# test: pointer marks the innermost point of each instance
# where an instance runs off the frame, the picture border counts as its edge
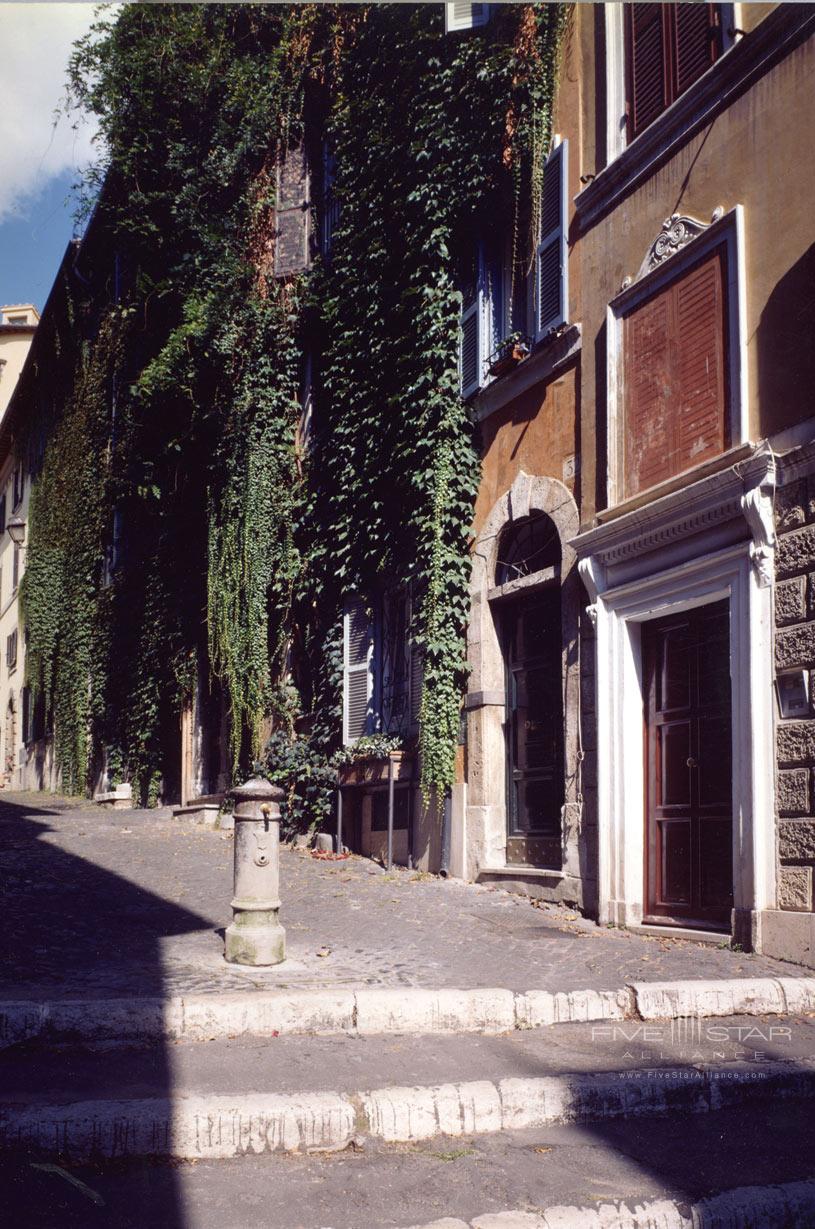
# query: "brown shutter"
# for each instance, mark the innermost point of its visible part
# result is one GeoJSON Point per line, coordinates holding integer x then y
{"type": "Point", "coordinates": [648, 394]}
{"type": "Point", "coordinates": [696, 41]}
{"type": "Point", "coordinates": [291, 254]}
{"type": "Point", "coordinates": [675, 358]}
{"type": "Point", "coordinates": [700, 363]}
{"type": "Point", "coordinates": [647, 65]}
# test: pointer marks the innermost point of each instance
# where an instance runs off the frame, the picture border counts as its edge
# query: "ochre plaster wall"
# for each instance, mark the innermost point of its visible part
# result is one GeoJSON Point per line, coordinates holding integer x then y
{"type": "Point", "coordinates": [755, 153]}
{"type": "Point", "coordinates": [535, 433]}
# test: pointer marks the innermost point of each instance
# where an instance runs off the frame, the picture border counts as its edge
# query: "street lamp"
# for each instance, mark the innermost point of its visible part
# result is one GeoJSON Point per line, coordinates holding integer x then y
{"type": "Point", "coordinates": [16, 530]}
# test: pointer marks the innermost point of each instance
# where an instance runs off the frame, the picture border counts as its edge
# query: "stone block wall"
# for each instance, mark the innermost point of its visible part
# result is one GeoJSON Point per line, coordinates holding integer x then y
{"type": "Point", "coordinates": [795, 647]}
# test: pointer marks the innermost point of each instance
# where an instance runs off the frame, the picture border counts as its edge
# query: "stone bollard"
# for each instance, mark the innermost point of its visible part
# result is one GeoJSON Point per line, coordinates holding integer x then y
{"type": "Point", "coordinates": [255, 935]}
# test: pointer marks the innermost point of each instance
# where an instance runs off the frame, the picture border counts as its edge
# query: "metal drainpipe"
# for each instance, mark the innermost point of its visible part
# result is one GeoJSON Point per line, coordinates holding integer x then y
{"type": "Point", "coordinates": [446, 826]}
{"type": "Point", "coordinates": [339, 819]}
{"type": "Point", "coordinates": [390, 812]}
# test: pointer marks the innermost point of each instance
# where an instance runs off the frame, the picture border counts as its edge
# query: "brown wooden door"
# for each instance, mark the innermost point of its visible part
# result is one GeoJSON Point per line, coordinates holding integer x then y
{"type": "Point", "coordinates": [688, 804]}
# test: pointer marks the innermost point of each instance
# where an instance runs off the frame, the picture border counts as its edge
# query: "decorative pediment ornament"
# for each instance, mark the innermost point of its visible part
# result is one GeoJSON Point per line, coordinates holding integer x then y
{"type": "Point", "coordinates": [677, 231]}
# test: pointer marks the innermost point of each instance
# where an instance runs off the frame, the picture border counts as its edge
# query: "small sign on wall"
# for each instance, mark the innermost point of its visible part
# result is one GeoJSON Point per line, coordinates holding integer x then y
{"type": "Point", "coordinates": [792, 690]}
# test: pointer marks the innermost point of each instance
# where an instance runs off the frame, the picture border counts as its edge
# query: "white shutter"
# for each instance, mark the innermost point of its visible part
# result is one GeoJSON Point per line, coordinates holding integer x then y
{"type": "Point", "coordinates": [357, 674]}
{"type": "Point", "coordinates": [476, 331]}
{"type": "Point", "coordinates": [551, 271]}
{"type": "Point", "coordinates": [465, 16]}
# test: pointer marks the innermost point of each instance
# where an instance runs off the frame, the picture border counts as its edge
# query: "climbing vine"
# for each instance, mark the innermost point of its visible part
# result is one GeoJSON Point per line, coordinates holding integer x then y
{"type": "Point", "coordinates": [187, 531]}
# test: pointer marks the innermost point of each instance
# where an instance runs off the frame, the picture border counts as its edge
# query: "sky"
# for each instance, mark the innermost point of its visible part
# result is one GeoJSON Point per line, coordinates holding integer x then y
{"type": "Point", "coordinates": [38, 160]}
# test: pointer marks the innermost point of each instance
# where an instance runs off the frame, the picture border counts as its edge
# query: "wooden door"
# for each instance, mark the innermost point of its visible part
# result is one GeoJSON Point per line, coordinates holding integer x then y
{"type": "Point", "coordinates": [688, 804]}
{"type": "Point", "coordinates": [532, 641]}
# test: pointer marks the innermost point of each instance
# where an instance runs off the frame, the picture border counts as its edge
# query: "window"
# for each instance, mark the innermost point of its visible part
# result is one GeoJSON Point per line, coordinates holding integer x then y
{"type": "Point", "coordinates": [3, 514]}
{"type": "Point", "coordinates": [11, 651]}
{"type": "Point", "coordinates": [15, 568]}
{"type": "Point", "coordinates": [382, 667]}
{"type": "Point", "coordinates": [465, 16]}
{"type": "Point", "coordinates": [675, 362]}
{"type": "Point", "coordinates": [483, 313]}
{"type": "Point", "coordinates": [668, 46]}
{"type": "Point", "coordinates": [291, 253]}
{"type": "Point", "coordinates": [18, 488]}
{"type": "Point", "coordinates": [529, 545]}
{"type": "Point", "coordinates": [551, 265]}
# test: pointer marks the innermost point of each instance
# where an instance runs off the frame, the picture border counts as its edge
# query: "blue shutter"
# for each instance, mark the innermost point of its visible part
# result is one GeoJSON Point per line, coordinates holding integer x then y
{"type": "Point", "coordinates": [551, 268]}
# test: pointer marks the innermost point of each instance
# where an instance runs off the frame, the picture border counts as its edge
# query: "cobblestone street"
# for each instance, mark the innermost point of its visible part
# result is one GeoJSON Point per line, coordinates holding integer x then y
{"type": "Point", "coordinates": [129, 903]}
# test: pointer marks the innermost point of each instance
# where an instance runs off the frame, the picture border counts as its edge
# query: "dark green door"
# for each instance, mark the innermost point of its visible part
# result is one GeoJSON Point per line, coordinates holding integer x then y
{"type": "Point", "coordinates": [534, 728]}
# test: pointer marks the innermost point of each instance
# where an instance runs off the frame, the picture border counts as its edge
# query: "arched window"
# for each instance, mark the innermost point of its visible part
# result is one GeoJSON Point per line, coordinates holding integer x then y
{"type": "Point", "coordinates": [528, 545]}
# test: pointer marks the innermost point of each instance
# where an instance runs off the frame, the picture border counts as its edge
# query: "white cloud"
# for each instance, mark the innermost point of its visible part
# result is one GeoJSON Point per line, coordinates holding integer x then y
{"type": "Point", "coordinates": [35, 45]}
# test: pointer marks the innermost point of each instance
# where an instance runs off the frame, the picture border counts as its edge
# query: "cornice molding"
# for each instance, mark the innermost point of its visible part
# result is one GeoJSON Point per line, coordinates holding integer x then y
{"type": "Point", "coordinates": [743, 490]}
{"type": "Point", "coordinates": [753, 56]}
{"type": "Point", "coordinates": [797, 463]}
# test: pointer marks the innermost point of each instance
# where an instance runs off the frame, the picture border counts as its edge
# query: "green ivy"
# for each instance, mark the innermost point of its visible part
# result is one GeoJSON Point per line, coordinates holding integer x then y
{"type": "Point", "coordinates": [240, 538]}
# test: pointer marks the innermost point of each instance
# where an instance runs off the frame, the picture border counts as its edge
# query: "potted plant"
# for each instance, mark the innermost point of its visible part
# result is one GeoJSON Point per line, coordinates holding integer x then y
{"type": "Point", "coordinates": [508, 354]}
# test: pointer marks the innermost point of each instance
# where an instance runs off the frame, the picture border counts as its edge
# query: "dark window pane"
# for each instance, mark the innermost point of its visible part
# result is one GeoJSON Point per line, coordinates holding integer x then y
{"type": "Point", "coordinates": [674, 675]}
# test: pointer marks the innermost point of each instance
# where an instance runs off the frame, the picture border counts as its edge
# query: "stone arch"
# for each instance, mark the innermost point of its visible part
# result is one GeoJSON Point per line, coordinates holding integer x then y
{"type": "Point", "coordinates": [486, 805]}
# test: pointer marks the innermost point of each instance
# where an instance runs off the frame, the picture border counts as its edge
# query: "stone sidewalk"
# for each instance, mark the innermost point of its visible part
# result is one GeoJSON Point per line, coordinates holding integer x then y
{"type": "Point", "coordinates": [111, 904]}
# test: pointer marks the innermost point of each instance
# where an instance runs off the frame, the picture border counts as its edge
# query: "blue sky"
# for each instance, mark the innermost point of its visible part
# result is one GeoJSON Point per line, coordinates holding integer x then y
{"type": "Point", "coordinates": [39, 158]}
{"type": "Point", "coordinates": [32, 243]}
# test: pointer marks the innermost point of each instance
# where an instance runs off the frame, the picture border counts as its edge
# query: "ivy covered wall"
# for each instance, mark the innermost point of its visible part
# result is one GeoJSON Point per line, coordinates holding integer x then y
{"type": "Point", "coordinates": [182, 515]}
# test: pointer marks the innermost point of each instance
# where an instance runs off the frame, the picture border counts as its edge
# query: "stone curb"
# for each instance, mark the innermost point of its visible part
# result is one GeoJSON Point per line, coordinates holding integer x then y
{"type": "Point", "coordinates": [207, 1017]}
{"type": "Point", "coordinates": [791, 1206]}
{"type": "Point", "coordinates": [204, 1127]}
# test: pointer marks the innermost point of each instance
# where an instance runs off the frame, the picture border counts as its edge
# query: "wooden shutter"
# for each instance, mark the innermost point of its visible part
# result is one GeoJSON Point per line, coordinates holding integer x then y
{"type": "Point", "coordinates": [696, 32]}
{"type": "Point", "coordinates": [675, 358]}
{"type": "Point", "coordinates": [291, 253]}
{"type": "Point", "coordinates": [331, 209]}
{"type": "Point", "coordinates": [357, 671]}
{"type": "Point", "coordinates": [416, 681]}
{"type": "Point", "coordinates": [699, 378]}
{"type": "Point", "coordinates": [459, 16]}
{"type": "Point", "coordinates": [668, 47]}
{"type": "Point", "coordinates": [551, 266]}
{"type": "Point", "coordinates": [648, 65]}
{"type": "Point", "coordinates": [648, 394]}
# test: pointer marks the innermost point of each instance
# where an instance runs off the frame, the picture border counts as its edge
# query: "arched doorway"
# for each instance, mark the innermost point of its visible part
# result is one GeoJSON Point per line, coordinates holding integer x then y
{"type": "Point", "coordinates": [527, 606]}
{"type": "Point", "coordinates": [524, 657]}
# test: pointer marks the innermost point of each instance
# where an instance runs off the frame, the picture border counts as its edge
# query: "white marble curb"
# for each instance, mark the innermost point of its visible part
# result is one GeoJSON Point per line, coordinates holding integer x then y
{"type": "Point", "coordinates": [199, 1127]}
{"type": "Point", "coordinates": [791, 1206]}
{"type": "Point", "coordinates": [263, 1013]}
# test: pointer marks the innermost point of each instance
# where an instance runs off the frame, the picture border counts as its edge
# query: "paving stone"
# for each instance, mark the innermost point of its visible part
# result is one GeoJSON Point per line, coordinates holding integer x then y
{"type": "Point", "coordinates": [790, 601]}
{"type": "Point", "coordinates": [794, 791]}
{"type": "Point", "coordinates": [124, 904]}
